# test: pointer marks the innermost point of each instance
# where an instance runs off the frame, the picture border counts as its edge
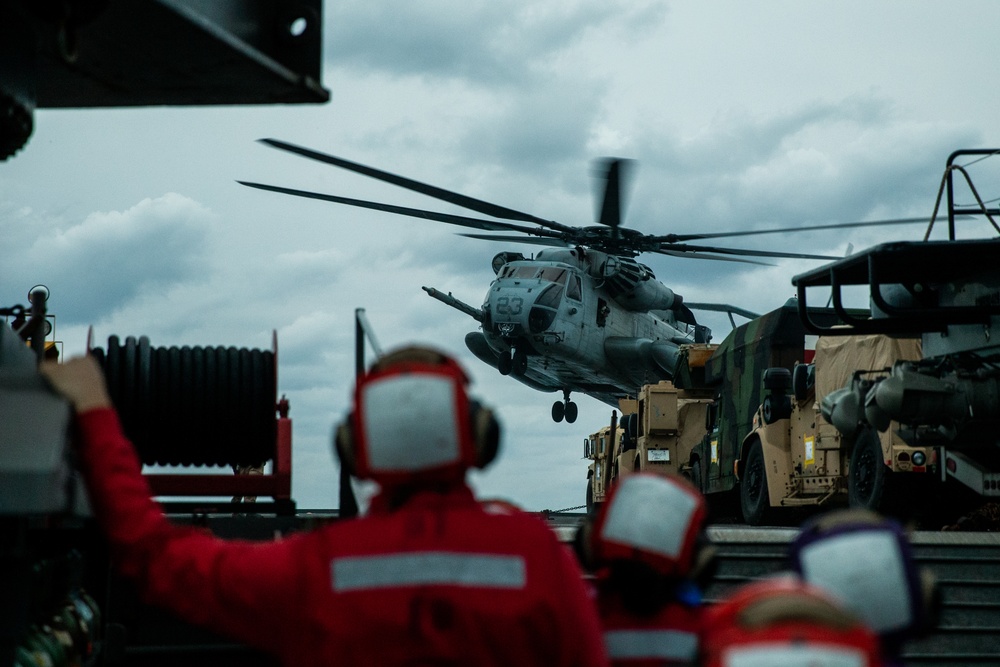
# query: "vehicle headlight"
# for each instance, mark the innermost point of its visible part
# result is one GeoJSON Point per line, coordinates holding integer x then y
{"type": "Point", "coordinates": [919, 458]}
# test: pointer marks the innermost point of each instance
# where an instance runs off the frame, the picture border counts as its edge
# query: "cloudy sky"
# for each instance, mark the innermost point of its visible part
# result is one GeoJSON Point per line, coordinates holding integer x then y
{"type": "Point", "coordinates": [741, 115]}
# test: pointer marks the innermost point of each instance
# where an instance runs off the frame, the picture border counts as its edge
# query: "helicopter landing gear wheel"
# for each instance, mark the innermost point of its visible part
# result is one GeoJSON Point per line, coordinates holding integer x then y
{"type": "Point", "coordinates": [519, 362]}
{"type": "Point", "coordinates": [564, 409]}
{"type": "Point", "coordinates": [505, 364]}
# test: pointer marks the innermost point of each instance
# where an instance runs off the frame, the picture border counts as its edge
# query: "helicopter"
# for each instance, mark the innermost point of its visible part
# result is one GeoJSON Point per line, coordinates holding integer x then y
{"type": "Point", "coordinates": [581, 315]}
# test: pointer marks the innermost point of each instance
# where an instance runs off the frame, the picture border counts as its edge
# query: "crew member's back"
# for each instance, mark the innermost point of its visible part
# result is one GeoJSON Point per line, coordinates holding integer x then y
{"type": "Point", "coordinates": [427, 577]}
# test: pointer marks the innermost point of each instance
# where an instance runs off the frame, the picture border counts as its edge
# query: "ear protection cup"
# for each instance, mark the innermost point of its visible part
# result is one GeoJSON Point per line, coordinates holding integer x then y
{"type": "Point", "coordinates": [485, 433]}
{"type": "Point", "coordinates": [583, 546]}
{"type": "Point", "coordinates": [705, 563]}
{"type": "Point", "coordinates": [343, 446]}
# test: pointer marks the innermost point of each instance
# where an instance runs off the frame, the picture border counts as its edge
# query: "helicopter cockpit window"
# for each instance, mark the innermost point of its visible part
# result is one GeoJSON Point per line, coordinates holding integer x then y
{"type": "Point", "coordinates": [553, 275]}
{"type": "Point", "coordinates": [543, 313]}
{"type": "Point", "coordinates": [550, 297]}
{"type": "Point", "coordinates": [523, 272]}
{"type": "Point", "coordinates": [573, 289]}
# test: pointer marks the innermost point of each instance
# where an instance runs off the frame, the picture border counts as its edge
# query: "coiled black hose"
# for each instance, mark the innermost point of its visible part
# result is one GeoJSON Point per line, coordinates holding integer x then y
{"type": "Point", "coordinates": [193, 405]}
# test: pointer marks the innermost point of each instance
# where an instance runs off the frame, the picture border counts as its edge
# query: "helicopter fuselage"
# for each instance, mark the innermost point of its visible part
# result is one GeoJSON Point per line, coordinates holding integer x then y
{"type": "Point", "coordinates": [559, 322]}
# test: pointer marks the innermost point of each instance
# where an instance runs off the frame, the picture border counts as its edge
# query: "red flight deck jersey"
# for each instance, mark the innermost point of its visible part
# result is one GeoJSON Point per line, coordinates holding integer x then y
{"type": "Point", "coordinates": [437, 581]}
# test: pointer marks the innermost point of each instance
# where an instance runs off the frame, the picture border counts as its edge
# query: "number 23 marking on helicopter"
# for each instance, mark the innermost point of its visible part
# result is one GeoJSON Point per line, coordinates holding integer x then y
{"type": "Point", "coordinates": [509, 306]}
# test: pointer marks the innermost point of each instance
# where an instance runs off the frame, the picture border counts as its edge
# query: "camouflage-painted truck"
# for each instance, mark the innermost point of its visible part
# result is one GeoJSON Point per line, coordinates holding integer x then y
{"type": "Point", "coordinates": [794, 457]}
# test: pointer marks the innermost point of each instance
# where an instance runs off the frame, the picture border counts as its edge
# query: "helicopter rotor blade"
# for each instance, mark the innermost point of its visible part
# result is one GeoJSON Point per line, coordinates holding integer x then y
{"type": "Point", "coordinates": [744, 252]}
{"type": "Point", "coordinates": [701, 255]}
{"type": "Point", "coordinates": [519, 239]}
{"type": "Point", "coordinates": [460, 220]}
{"type": "Point", "coordinates": [471, 203]}
{"type": "Point", "coordinates": [675, 238]}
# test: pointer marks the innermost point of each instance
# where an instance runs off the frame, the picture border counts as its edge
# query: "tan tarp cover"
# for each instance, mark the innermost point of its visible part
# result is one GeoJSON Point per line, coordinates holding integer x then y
{"type": "Point", "coordinates": [690, 424]}
{"type": "Point", "coordinates": [837, 357]}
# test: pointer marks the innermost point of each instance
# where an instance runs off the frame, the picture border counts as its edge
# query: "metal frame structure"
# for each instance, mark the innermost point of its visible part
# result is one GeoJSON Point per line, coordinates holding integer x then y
{"type": "Point", "coordinates": [910, 264]}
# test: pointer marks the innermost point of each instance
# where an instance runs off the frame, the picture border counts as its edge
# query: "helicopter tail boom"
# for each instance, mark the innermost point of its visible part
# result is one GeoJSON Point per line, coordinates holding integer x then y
{"type": "Point", "coordinates": [474, 313]}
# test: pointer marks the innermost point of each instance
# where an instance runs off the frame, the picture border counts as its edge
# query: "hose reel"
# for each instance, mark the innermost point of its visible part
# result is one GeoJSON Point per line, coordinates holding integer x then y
{"type": "Point", "coordinates": [192, 405]}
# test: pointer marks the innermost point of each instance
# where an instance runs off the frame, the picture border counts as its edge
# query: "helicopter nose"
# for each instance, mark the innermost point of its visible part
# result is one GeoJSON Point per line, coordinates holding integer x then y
{"type": "Point", "coordinates": [525, 310]}
{"type": "Point", "coordinates": [510, 306]}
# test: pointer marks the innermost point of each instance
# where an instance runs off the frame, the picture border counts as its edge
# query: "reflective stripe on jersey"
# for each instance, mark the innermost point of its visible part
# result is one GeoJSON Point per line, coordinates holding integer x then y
{"type": "Point", "coordinates": [794, 656]}
{"type": "Point", "coordinates": [422, 568]}
{"type": "Point", "coordinates": [645, 644]}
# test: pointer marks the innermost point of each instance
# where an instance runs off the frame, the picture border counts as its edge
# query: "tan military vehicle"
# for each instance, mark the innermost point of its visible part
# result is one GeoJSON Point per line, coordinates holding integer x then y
{"type": "Point", "coordinates": [657, 431]}
{"type": "Point", "coordinates": [600, 448]}
{"type": "Point", "coordinates": [793, 457]}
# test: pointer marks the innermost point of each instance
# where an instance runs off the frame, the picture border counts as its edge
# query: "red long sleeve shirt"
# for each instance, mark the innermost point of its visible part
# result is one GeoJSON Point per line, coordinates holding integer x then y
{"type": "Point", "coordinates": [437, 581]}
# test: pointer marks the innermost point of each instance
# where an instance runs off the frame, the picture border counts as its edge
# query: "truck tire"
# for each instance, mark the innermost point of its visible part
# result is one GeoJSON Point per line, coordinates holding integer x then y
{"type": "Point", "coordinates": [590, 496]}
{"type": "Point", "coordinates": [754, 499]}
{"type": "Point", "coordinates": [696, 472]}
{"type": "Point", "coordinates": [803, 379]}
{"type": "Point", "coordinates": [630, 424]}
{"type": "Point", "coordinates": [868, 474]}
{"type": "Point", "coordinates": [777, 378]}
{"type": "Point", "coordinates": [776, 407]}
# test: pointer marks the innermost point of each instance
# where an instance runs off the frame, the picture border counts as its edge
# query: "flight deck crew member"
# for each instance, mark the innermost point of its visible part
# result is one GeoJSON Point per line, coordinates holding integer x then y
{"type": "Point", "coordinates": [646, 546]}
{"type": "Point", "coordinates": [427, 577]}
{"type": "Point", "coordinates": [866, 562]}
{"type": "Point", "coordinates": [784, 621]}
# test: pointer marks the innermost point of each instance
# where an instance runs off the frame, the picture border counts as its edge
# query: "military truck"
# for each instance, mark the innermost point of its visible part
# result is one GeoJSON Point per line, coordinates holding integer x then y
{"type": "Point", "coordinates": [794, 457]}
{"type": "Point", "coordinates": [600, 448]}
{"type": "Point", "coordinates": [948, 293]}
{"type": "Point", "coordinates": [657, 434]}
{"type": "Point", "coordinates": [949, 398]}
{"type": "Point", "coordinates": [696, 424]}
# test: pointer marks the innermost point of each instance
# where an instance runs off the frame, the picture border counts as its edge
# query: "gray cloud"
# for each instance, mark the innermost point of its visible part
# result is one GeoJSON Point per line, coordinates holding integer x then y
{"type": "Point", "coordinates": [110, 258]}
{"type": "Point", "coordinates": [485, 44]}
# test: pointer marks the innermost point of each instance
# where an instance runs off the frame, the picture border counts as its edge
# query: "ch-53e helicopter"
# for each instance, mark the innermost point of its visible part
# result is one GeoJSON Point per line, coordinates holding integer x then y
{"type": "Point", "coordinates": [581, 315]}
